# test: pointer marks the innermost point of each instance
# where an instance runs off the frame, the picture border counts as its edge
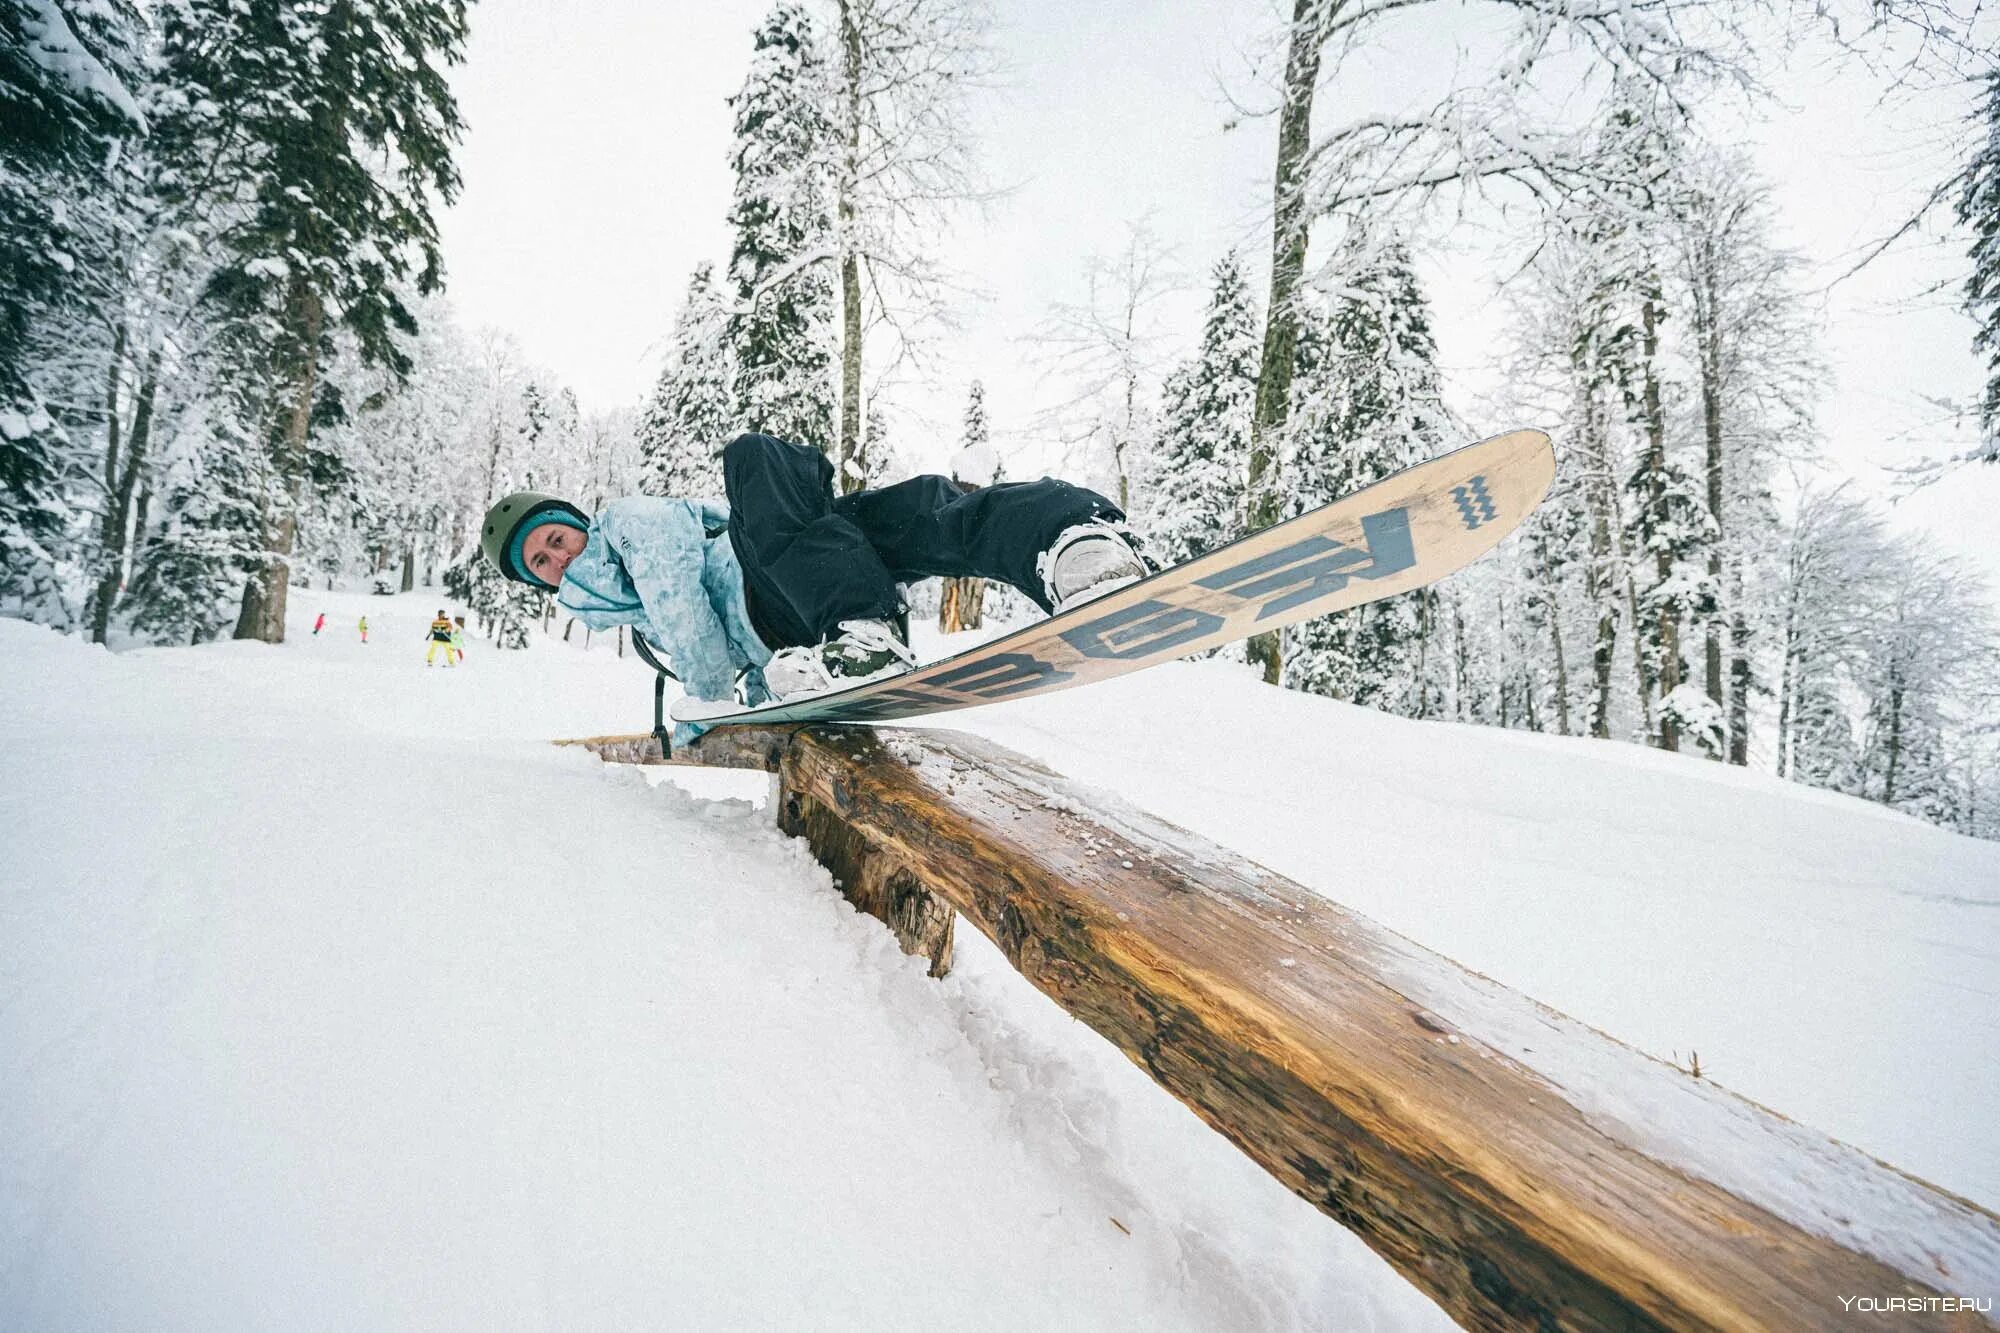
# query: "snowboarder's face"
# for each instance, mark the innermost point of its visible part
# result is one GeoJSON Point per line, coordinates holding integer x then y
{"type": "Point", "coordinates": [548, 549]}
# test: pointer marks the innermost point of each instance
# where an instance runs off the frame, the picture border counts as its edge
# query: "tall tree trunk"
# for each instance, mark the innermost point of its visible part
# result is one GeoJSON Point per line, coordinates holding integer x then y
{"type": "Point", "coordinates": [113, 519]}
{"type": "Point", "coordinates": [492, 462]}
{"type": "Point", "coordinates": [1735, 707]}
{"type": "Point", "coordinates": [118, 506]}
{"type": "Point", "coordinates": [1711, 421]}
{"type": "Point", "coordinates": [409, 568]}
{"type": "Point", "coordinates": [1663, 564]}
{"type": "Point", "coordinates": [962, 601]}
{"type": "Point", "coordinates": [1706, 306]}
{"type": "Point", "coordinates": [1600, 574]}
{"type": "Point", "coordinates": [961, 604]}
{"type": "Point", "coordinates": [1122, 446]}
{"type": "Point", "coordinates": [1562, 670]}
{"type": "Point", "coordinates": [1461, 664]}
{"type": "Point", "coordinates": [263, 614]}
{"type": "Point", "coordinates": [1289, 229]}
{"type": "Point", "coordinates": [1785, 678]}
{"type": "Point", "coordinates": [1895, 736]}
{"type": "Point", "coordinates": [1739, 680]}
{"type": "Point", "coordinates": [1642, 671]}
{"type": "Point", "coordinates": [141, 509]}
{"type": "Point", "coordinates": [849, 466]}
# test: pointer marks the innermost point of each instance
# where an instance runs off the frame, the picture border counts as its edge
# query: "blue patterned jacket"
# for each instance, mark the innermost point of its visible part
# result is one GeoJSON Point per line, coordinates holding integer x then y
{"type": "Point", "coordinates": [650, 563]}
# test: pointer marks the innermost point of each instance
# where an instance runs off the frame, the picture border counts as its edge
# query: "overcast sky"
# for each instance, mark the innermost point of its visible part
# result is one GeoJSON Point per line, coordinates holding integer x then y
{"type": "Point", "coordinates": [595, 179]}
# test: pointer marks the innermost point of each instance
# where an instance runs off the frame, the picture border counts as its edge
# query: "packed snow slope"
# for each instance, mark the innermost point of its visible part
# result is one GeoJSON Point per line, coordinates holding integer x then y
{"type": "Point", "coordinates": [330, 996]}
{"type": "Point", "coordinates": [1832, 959]}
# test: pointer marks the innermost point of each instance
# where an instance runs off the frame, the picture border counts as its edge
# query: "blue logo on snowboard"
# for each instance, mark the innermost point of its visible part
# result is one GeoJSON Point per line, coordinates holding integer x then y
{"type": "Point", "coordinates": [1475, 506]}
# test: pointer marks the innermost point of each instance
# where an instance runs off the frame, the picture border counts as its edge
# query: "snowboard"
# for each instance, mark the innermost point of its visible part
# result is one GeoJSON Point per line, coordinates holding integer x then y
{"type": "Point", "coordinates": [1401, 533]}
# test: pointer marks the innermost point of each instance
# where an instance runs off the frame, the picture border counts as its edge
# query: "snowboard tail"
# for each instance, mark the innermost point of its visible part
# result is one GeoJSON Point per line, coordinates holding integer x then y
{"type": "Point", "coordinates": [1402, 533]}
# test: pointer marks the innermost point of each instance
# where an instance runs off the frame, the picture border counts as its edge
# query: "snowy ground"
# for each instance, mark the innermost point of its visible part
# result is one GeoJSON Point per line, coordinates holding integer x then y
{"type": "Point", "coordinates": [331, 997]}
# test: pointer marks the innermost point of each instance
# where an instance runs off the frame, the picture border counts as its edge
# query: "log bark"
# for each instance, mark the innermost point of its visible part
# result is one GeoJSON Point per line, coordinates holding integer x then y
{"type": "Point", "coordinates": [1510, 1162]}
{"type": "Point", "coordinates": [757, 748]}
{"type": "Point", "coordinates": [878, 884]}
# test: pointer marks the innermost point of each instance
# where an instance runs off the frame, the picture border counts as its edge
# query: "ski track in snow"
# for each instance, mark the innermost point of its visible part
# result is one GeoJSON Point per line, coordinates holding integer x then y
{"type": "Point", "coordinates": [332, 997]}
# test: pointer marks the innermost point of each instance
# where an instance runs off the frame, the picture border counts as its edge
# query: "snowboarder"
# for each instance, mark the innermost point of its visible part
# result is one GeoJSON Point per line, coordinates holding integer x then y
{"type": "Point", "coordinates": [319, 624]}
{"type": "Point", "coordinates": [440, 636]}
{"type": "Point", "coordinates": [364, 629]}
{"type": "Point", "coordinates": [786, 591]}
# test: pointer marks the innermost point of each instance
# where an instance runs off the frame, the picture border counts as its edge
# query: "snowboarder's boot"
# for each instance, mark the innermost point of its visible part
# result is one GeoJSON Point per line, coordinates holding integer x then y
{"type": "Point", "coordinates": [863, 650]}
{"type": "Point", "coordinates": [1086, 562]}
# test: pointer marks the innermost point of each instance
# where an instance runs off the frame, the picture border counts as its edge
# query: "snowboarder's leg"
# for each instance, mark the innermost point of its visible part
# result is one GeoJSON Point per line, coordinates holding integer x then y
{"type": "Point", "coordinates": [806, 566]}
{"type": "Point", "coordinates": [931, 526]}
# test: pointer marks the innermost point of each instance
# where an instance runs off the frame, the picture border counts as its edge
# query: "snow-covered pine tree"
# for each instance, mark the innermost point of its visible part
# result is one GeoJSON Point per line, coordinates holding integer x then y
{"type": "Point", "coordinates": [781, 325]}
{"type": "Point", "coordinates": [1591, 280]}
{"type": "Point", "coordinates": [1824, 620]}
{"type": "Point", "coordinates": [565, 467]}
{"type": "Point", "coordinates": [1367, 402]}
{"type": "Point", "coordinates": [1668, 527]}
{"type": "Point", "coordinates": [1196, 499]}
{"type": "Point", "coordinates": [899, 87]}
{"type": "Point", "coordinates": [1109, 351]}
{"type": "Point", "coordinates": [500, 454]}
{"type": "Point", "coordinates": [403, 445]}
{"type": "Point", "coordinates": [187, 577]}
{"type": "Point", "coordinates": [531, 436]}
{"type": "Point", "coordinates": [690, 415]}
{"type": "Point", "coordinates": [880, 463]}
{"type": "Point", "coordinates": [1670, 531]}
{"type": "Point", "coordinates": [611, 447]}
{"type": "Point", "coordinates": [298, 111]}
{"type": "Point", "coordinates": [142, 352]}
{"type": "Point", "coordinates": [544, 425]}
{"type": "Point", "coordinates": [66, 107]}
{"type": "Point", "coordinates": [1756, 377]}
{"type": "Point", "coordinates": [975, 463]}
{"type": "Point", "coordinates": [1563, 366]}
{"type": "Point", "coordinates": [1932, 650]}
{"type": "Point", "coordinates": [1979, 209]}
{"type": "Point", "coordinates": [962, 601]}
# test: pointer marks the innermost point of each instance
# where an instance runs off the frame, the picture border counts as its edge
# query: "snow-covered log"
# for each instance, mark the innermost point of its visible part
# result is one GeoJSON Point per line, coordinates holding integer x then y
{"type": "Point", "coordinates": [731, 747]}
{"type": "Point", "coordinates": [1522, 1169]}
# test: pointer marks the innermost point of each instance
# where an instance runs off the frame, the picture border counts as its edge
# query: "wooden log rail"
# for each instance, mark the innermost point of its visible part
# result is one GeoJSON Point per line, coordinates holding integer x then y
{"type": "Point", "coordinates": [1526, 1171]}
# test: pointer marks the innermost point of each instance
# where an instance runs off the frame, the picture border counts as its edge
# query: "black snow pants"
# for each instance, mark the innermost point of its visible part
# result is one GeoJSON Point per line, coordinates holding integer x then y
{"type": "Point", "coordinates": [811, 560]}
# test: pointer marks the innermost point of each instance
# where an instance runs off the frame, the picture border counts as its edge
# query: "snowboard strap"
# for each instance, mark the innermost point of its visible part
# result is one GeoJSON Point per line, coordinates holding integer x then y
{"type": "Point", "coordinates": [661, 731]}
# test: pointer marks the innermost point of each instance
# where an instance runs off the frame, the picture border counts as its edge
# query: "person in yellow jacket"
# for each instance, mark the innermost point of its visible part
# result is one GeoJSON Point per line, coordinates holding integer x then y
{"type": "Point", "coordinates": [440, 638]}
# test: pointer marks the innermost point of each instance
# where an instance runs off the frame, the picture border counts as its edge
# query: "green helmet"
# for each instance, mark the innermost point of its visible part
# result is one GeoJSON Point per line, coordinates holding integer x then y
{"type": "Point", "coordinates": [509, 519]}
